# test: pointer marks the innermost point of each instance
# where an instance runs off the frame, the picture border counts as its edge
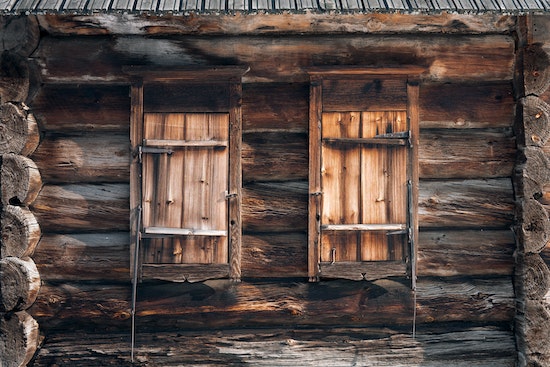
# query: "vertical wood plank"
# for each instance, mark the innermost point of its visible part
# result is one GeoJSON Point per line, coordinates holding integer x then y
{"type": "Point", "coordinates": [235, 179]}
{"type": "Point", "coordinates": [136, 132]}
{"type": "Point", "coordinates": [413, 115]}
{"type": "Point", "coordinates": [314, 201]}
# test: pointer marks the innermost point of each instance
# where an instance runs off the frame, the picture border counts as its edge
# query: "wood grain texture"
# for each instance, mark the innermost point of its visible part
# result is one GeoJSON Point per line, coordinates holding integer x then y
{"type": "Point", "coordinates": [14, 77]}
{"type": "Point", "coordinates": [18, 130]}
{"type": "Point", "coordinates": [19, 338]}
{"type": "Point", "coordinates": [20, 231]}
{"type": "Point", "coordinates": [19, 283]}
{"type": "Point", "coordinates": [21, 181]}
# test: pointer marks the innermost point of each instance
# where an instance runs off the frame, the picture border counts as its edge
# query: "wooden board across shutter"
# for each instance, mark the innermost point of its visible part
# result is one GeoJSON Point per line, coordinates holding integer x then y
{"type": "Point", "coordinates": [186, 188]}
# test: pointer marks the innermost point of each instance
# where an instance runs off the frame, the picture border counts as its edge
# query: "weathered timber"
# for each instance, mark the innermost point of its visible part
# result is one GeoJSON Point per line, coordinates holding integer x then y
{"type": "Point", "coordinates": [83, 108]}
{"type": "Point", "coordinates": [536, 70]}
{"type": "Point", "coordinates": [276, 206]}
{"type": "Point", "coordinates": [536, 120]}
{"type": "Point", "coordinates": [534, 331]}
{"type": "Point", "coordinates": [19, 283]}
{"type": "Point", "coordinates": [20, 180]}
{"type": "Point", "coordinates": [93, 157]}
{"type": "Point", "coordinates": [535, 276]}
{"type": "Point", "coordinates": [270, 107]}
{"type": "Point", "coordinates": [534, 168]}
{"type": "Point", "coordinates": [466, 105]}
{"type": "Point", "coordinates": [221, 303]}
{"type": "Point", "coordinates": [68, 208]}
{"type": "Point", "coordinates": [459, 58]}
{"type": "Point", "coordinates": [269, 23]}
{"type": "Point", "coordinates": [14, 77]}
{"type": "Point", "coordinates": [466, 203]}
{"type": "Point", "coordinates": [466, 154]}
{"type": "Point", "coordinates": [19, 34]}
{"type": "Point", "coordinates": [20, 232]}
{"type": "Point", "coordinates": [451, 253]}
{"type": "Point", "coordinates": [18, 130]}
{"type": "Point", "coordinates": [274, 156]}
{"type": "Point", "coordinates": [535, 227]}
{"type": "Point", "coordinates": [87, 256]}
{"type": "Point", "coordinates": [472, 346]}
{"type": "Point", "coordinates": [19, 338]}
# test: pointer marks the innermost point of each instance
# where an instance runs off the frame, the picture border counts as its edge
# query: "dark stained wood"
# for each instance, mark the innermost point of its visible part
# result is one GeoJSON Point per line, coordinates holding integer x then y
{"type": "Point", "coordinates": [14, 77]}
{"type": "Point", "coordinates": [222, 303]}
{"type": "Point", "coordinates": [466, 203]}
{"type": "Point", "coordinates": [275, 23]}
{"type": "Point", "coordinates": [438, 345]}
{"type": "Point", "coordinates": [451, 253]}
{"type": "Point", "coordinates": [100, 107]}
{"type": "Point", "coordinates": [185, 98]}
{"type": "Point", "coordinates": [466, 154]}
{"type": "Point", "coordinates": [93, 157]}
{"type": "Point", "coordinates": [86, 256]}
{"type": "Point", "coordinates": [18, 130]}
{"type": "Point", "coordinates": [271, 107]}
{"type": "Point", "coordinates": [79, 208]}
{"type": "Point", "coordinates": [20, 231]}
{"type": "Point", "coordinates": [466, 105]}
{"type": "Point", "coordinates": [460, 58]}
{"type": "Point", "coordinates": [19, 282]}
{"type": "Point", "coordinates": [19, 338]}
{"type": "Point", "coordinates": [274, 156]}
{"type": "Point", "coordinates": [20, 181]}
{"type": "Point", "coordinates": [19, 34]}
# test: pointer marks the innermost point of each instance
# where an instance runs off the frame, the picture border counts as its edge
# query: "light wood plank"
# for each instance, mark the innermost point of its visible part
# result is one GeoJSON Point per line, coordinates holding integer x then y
{"type": "Point", "coordinates": [170, 231]}
{"type": "Point", "coordinates": [184, 143]}
{"type": "Point", "coordinates": [364, 227]}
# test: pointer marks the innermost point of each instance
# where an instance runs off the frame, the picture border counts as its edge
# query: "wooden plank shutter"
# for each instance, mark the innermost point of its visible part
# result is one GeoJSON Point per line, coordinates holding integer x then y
{"type": "Point", "coordinates": [186, 175]}
{"type": "Point", "coordinates": [363, 175]}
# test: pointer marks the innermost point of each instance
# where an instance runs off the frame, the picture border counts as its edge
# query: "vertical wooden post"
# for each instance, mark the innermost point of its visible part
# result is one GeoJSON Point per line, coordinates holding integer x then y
{"type": "Point", "coordinates": [235, 179]}
{"type": "Point", "coordinates": [413, 115]}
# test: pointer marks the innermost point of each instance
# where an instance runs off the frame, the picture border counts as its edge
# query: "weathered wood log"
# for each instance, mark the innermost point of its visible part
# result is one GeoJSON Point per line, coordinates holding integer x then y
{"type": "Point", "coordinates": [19, 338]}
{"type": "Point", "coordinates": [88, 256]}
{"type": "Point", "coordinates": [275, 59]}
{"type": "Point", "coordinates": [274, 23]}
{"type": "Point", "coordinates": [536, 120]}
{"type": "Point", "coordinates": [466, 203]}
{"type": "Point", "coordinates": [449, 253]}
{"type": "Point", "coordinates": [535, 226]}
{"type": "Point", "coordinates": [534, 332]}
{"type": "Point", "coordinates": [534, 170]}
{"type": "Point", "coordinates": [100, 108]}
{"type": "Point", "coordinates": [19, 34]}
{"type": "Point", "coordinates": [534, 275]}
{"type": "Point", "coordinates": [221, 303]}
{"type": "Point", "coordinates": [20, 180]}
{"type": "Point", "coordinates": [275, 107]}
{"type": "Point", "coordinates": [20, 232]}
{"type": "Point", "coordinates": [18, 130]}
{"type": "Point", "coordinates": [466, 105]}
{"type": "Point", "coordinates": [446, 344]}
{"type": "Point", "coordinates": [68, 208]}
{"type": "Point", "coordinates": [466, 154]}
{"type": "Point", "coordinates": [90, 158]}
{"type": "Point", "coordinates": [536, 70]}
{"type": "Point", "coordinates": [14, 77]}
{"type": "Point", "coordinates": [19, 283]}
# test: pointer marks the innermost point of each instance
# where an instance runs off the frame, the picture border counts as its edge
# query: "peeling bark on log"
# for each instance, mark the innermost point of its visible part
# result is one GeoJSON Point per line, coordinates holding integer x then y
{"type": "Point", "coordinates": [20, 232]}
{"type": "Point", "coordinates": [536, 119]}
{"type": "Point", "coordinates": [19, 339]}
{"type": "Point", "coordinates": [20, 180]}
{"type": "Point", "coordinates": [535, 276]}
{"type": "Point", "coordinates": [19, 283]}
{"type": "Point", "coordinates": [536, 70]}
{"type": "Point", "coordinates": [18, 130]}
{"type": "Point", "coordinates": [14, 78]}
{"type": "Point", "coordinates": [535, 228]}
{"type": "Point", "coordinates": [19, 34]}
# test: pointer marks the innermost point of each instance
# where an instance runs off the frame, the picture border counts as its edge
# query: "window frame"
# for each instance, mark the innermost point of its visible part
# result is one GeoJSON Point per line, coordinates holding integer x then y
{"type": "Point", "coordinates": [231, 78]}
{"type": "Point", "coordinates": [320, 80]}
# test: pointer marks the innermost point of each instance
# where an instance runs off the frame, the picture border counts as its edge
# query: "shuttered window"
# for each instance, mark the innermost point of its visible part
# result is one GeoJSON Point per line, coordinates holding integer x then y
{"type": "Point", "coordinates": [186, 177]}
{"type": "Point", "coordinates": [363, 174]}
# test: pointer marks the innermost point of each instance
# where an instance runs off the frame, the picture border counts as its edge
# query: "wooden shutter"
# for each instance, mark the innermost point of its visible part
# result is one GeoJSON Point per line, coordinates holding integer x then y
{"type": "Point", "coordinates": [186, 176]}
{"type": "Point", "coordinates": [362, 175]}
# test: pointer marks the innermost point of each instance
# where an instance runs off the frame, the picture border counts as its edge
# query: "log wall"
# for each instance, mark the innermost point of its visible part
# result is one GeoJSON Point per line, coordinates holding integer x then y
{"type": "Point", "coordinates": [466, 196]}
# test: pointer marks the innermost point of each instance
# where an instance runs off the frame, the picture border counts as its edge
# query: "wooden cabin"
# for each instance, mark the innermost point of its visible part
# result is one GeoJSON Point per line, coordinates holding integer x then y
{"type": "Point", "coordinates": [274, 183]}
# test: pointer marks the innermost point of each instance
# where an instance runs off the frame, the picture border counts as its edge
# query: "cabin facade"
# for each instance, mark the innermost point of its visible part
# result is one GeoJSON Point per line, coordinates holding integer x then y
{"type": "Point", "coordinates": [274, 183]}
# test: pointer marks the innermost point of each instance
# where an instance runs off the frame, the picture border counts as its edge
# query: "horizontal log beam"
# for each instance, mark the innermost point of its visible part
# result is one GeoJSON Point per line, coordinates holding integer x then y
{"type": "Point", "coordinates": [222, 304]}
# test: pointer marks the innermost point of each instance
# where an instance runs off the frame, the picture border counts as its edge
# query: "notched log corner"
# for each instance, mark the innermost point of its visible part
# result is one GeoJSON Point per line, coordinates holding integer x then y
{"type": "Point", "coordinates": [14, 77]}
{"type": "Point", "coordinates": [536, 70]}
{"type": "Point", "coordinates": [535, 226]}
{"type": "Point", "coordinates": [536, 115]}
{"type": "Point", "coordinates": [20, 180]}
{"type": "Point", "coordinates": [19, 283]}
{"type": "Point", "coordinates": [19, 132]}
{"type": "Point", "coordinates": [20, 231]}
